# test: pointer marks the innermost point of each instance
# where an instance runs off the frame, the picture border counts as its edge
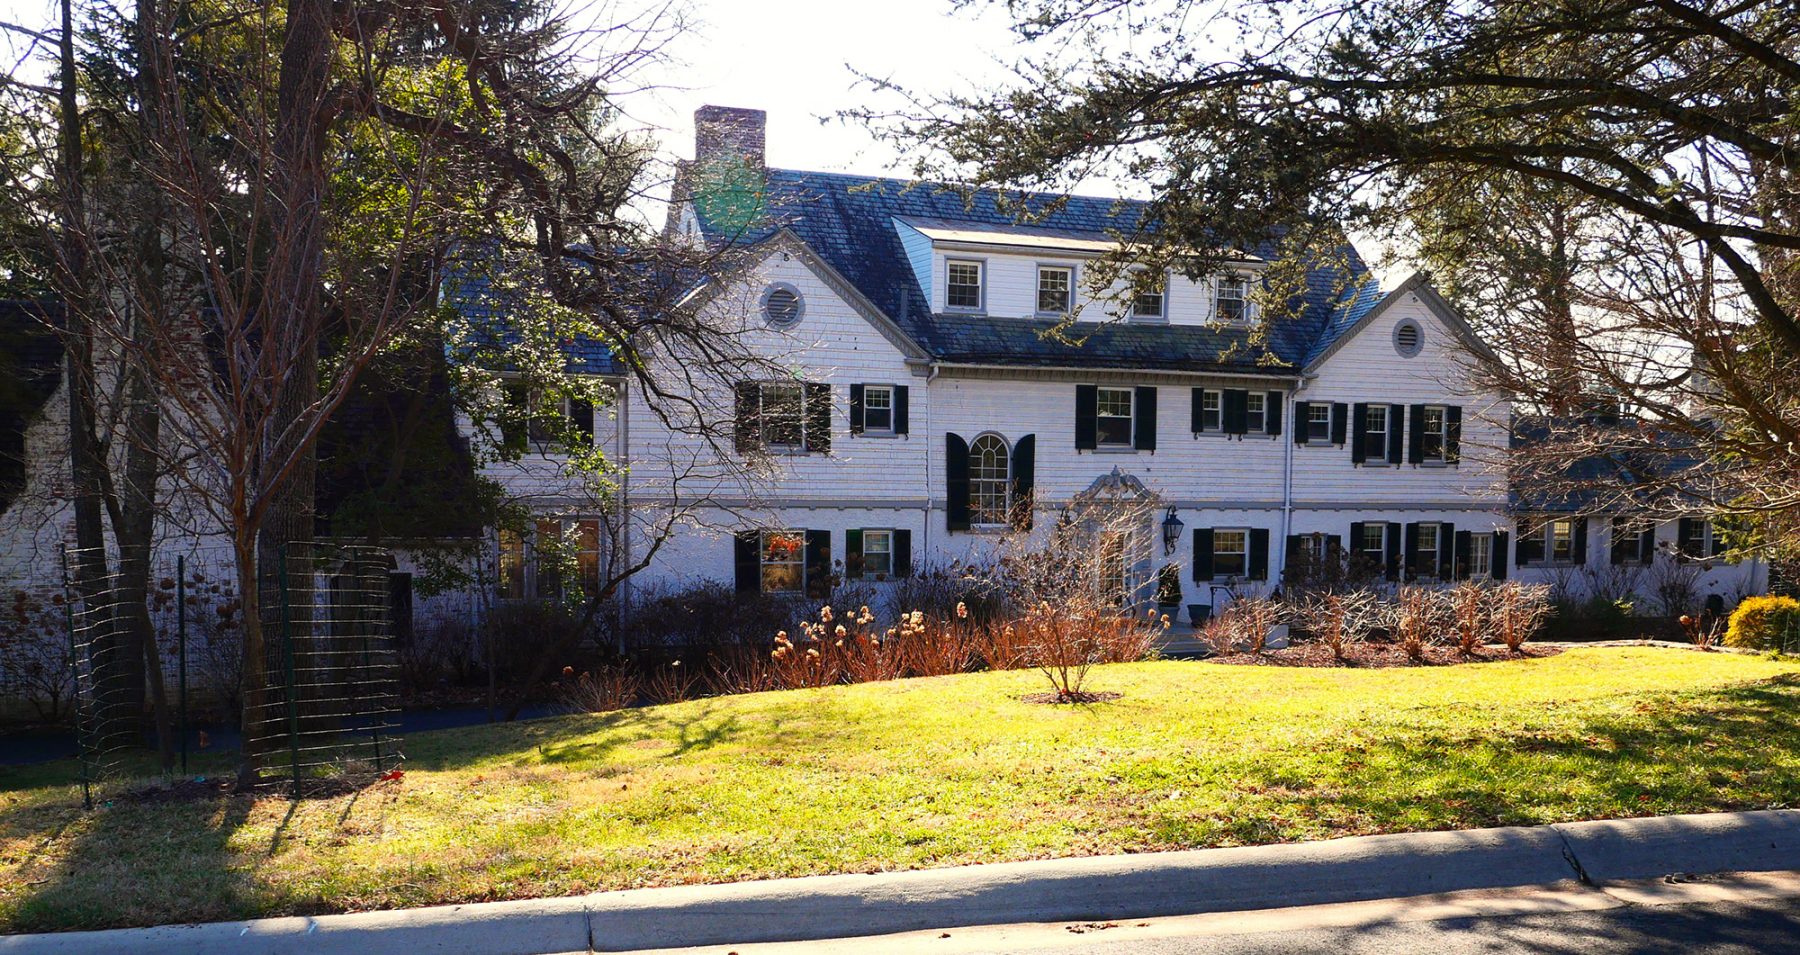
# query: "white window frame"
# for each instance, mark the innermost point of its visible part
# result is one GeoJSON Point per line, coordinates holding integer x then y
{"type": "Point", "coordinates": [1243, 553]}
{"type": "Point", "coordinates": [869, 391]}
{"type": "Point", "coordinates": [1387, 422]}
{"type": "Point", "coordinates": [519, 558]}
{"type": "Point", "coordinates": [1312, 412]}
{"type": "Point", "coordinates": [1068, 291]}
{"type": "Point", "coordinates": [1130, 417]}
{"type": "Point", "coordinates": [1109, 565]}
{"type": "Point", "coordinates": [1387, 527]}
{"type": "Point", "coordinates": [886, 536]}
{"type": "Point", "coordinates": [763, 563]}
{"type": "Point", "coordinates": [1242, 297]}
{"type": "Point", "coordinates": [985, 487]}
{"type": "Point", "coordinates": [763, 419]}
{"type": "Point", "coordinates": [1547, 533]}
{"type": "Point", "coordinates": [1442, 434]}
{"type": "Point", "coordinates": [1212, 410]}
{"type": "Point", "coordinates": [1436, 550]}
{"type": "Point", "coordinates": [1161, 294]}
{"type": "Point", "coordinates": [1256, 420]}
{"type": "Point", "coordinates": [1481, 557]}
{"type": "Point", "coordinates": [980, 267]}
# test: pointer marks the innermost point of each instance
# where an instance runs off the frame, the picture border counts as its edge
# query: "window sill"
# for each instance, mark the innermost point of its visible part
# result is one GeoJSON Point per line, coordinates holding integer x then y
{"type": "Point", "coordinates": [989, 528]}
{"type": "Point", "coordinates": [876, 434]}
{"type": "Point", "coordinates": [1114, 449]}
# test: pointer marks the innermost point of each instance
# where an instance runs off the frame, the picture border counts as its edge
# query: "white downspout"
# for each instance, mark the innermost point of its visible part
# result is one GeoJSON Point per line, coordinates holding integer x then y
{"type": "Point", "coordinates": [931, 373]}
{"type": "Point", "coordinates": [1287, 476]}
{"type": "Point", "coordinates": [625, 528]}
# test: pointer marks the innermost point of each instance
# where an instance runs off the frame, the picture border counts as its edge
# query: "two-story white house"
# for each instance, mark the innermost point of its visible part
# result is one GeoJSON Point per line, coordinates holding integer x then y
{"type": "Point", "coordinates": [925, 409]}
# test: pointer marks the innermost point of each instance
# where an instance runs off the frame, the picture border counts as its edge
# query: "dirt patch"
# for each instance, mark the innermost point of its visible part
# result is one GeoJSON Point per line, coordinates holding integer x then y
{"type": "Point", "coordinates": [1078, 698]}
{"type": "Point", "coordinates": [1374, 655]}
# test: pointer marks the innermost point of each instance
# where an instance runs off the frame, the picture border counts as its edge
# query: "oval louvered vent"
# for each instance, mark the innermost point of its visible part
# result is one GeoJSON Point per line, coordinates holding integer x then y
{"type": "Point", "coordinates": [1408, 337]}
{"type": "Point", "coordinates": [781, 305]}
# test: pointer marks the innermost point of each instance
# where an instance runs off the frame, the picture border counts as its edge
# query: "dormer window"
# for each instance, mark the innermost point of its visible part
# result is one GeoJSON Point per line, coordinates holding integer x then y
{"type": "Point", "coordinates": [962, 285]}
{"type": "Point", "coordinates": [1231, 298]}
{"type": "Point", "coordinates": [1055, 283]}
{"type": "Point", "coordinates": [1148, 302]}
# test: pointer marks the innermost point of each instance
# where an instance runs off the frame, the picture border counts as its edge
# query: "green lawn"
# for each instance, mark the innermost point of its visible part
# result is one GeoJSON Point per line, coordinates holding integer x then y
{"type": "Point", "coordinates": [930, 773]}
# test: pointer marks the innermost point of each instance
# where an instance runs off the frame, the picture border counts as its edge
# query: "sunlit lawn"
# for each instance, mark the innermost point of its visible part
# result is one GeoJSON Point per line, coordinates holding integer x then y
{"type": "Point", "coordinates": [929, 773]}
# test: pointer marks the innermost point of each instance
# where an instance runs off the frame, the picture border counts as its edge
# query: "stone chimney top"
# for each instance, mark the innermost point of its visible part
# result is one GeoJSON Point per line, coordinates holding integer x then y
{"type": "Point", "coordinates": [730, 132]}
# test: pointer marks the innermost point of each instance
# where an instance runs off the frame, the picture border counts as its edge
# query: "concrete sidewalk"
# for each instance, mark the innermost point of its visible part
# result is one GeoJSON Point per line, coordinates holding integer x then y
{"type": "Point", "coordinates": [1087, 889]}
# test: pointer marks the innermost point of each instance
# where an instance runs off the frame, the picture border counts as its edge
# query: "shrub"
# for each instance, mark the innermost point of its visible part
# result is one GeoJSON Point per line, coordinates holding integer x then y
{"type": "Point", "coordinates": [439, 651]}
{"type": "Point", "coordinates": [1518, 612]}
{"type": "Point", "coordinates": [1765, 623]}
{"type": "Point", "coordinates": [1243, 627]}
{"type": "Point", "coordinates": [1417, 619]}
{"type": "Point", "coordinates": [34, 654]}
{"type": "Point", "coordinates": [1339, 620]}
{"type": "Point", "coordinates": [521, 631]}
{"type": "Point", "coordinates": [604, 690]}
{"type": "Point", "coordinates": [1468, 612]}
{"type": "Point", "coordinates": [670, 683]}
{"type": "Point", "coordinates": [708, 615]}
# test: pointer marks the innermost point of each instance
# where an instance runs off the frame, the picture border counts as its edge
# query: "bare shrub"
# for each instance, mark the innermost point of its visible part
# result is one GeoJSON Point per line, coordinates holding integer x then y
{"type": "Point", "coordinates": [34, 654]}
{"type": "Point", "coordinates": [670, 683]}
{"type": "Point", "coordinates": [1703, 631]}
{"type": "Point", "coordinates": [1339, 621]}
{"type": "Point", "coordinates": [709, 615]}
{"type": "Point", "coordinates": [814, 660]}
{"type": "Point", "coordinates": [1244, 626]}
{"type": "Point", "coordinates": [1517, 612]}
{"type": "Point", "coordinates": [1416, 620]}
{"type": "Point", "coordinates": [437, 652]}
{"type": "Point", "coordinates": [1468, 613]}
{"type": "Point", "coordinates": [939, 647]}
{"type": "Point", "coordinates": [741, 669]}
{"type": "Point", "coordinates": [1675, 585]}
{"type": "Point", "coordinates": [604, 690]}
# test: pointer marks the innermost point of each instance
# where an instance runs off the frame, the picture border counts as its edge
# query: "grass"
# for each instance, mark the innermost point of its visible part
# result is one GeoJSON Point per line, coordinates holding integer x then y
{"type": "Point", "coordinates": [929, 773]}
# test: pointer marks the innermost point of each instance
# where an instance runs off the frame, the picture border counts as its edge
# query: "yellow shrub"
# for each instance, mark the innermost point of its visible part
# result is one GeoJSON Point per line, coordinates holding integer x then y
{"type": "Point", "coordinates": [1764, 623]}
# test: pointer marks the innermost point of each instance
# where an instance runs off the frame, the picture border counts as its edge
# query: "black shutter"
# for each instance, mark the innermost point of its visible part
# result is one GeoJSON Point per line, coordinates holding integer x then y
{"type": "Point", "coordinates": [1453, 434]}
{"type": "Point", "coordinates": [1460, 569]}
{"type": "Point", "coordinates": [1415, 444]}
{"type": "Point", "coordinates": [1359, 449]}
{"type": "Point", "coordinates": [1203, 554]}
{"type": "Point", "coordinates": [1530, 548]}
{"type": "Point", "coordinates": [1622, 548]}
{"type": "Point", "coordinates": [1688, 537]}
{"type": "Point", "coordinates": [818, 417]}
{"type": "Point", "coordinates": [1412, 550]}
{"type": "Point", "coordinates": [1295, 544]}
{"type": "Point", "coordinates": [1272, 412]}
{"type": "Point", "coordinates": [1087, 415]}
{"type": "Point", "coordinates": [749, 423]}
{"type": "Point", "coordinates": [1144, 438]}
{"type": "Point", "coordinates": [1396, 439]}
{"type": "Point", "coordinates": [853, 554]}
{"type": "Point", "coordinates": [818, 564]}
{"type": "Point", "coordinates": [1236, 410]}
{"type": "Point", "coordinates": [902, 552]}
{"type": "Point", "coordinates": [1339, 412]}
{"type": "Point", "coordinates": [1718, 543]}
{"type": "Point", "coordinates": [1356, 535]}
{"type": "Point", "coordinates": [1334, 547]}
{"type": "Point", "coordinates": [1393, 551]}
{"type": "Point", "coordinates": [1302, 421]}
{"type": "Point", "coordinates": [956, 482]}
{"type": "Point", "coordinates": [581, 418]}
{"type": "Point", "coordinates": [748, 558]}
{"type": "Point", "coordinates": [856, 409]}
{"type": "Point", "coordinates": [1647, 544]}
{"type": "Point", "coordinates": [1497, 556]}
{"type": "Point", "coordinates": [1199, 410]}
{"type": "Point", "coordinates": [1259, 553]}
{"type": "Point", "coordinates": [1024, 480]}
{"type": "Point", "coordinates": [900, 402]}
{"type": "Point", "coordinates": [1579, 551]}
{"type": "Point", "coordinates": [1446, 568]}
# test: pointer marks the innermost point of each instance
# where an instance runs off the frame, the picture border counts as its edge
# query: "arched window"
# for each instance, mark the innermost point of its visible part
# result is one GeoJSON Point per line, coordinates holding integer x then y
{"type": "Point", "coordinates": [990, 480]}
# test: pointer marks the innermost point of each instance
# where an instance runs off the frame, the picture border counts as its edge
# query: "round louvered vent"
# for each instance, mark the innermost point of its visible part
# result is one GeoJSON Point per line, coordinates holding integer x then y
{"type": "Point", "coordinates": [1408, 338]}
{"type": "Point", "coordinates": [782, 305]}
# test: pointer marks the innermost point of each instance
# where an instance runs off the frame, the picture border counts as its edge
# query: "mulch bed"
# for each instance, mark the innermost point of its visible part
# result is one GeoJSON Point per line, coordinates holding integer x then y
{"type": "Point", "coordinates": [1373, 655]}
{"type": "Point", "coordinates": [1079, 698]}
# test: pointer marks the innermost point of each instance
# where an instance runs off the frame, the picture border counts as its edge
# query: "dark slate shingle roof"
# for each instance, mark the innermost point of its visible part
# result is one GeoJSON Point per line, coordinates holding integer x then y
{"type": "Point", "coordinates": [849, 222]}
{"type": "Point", "coordinates": [488, 331]}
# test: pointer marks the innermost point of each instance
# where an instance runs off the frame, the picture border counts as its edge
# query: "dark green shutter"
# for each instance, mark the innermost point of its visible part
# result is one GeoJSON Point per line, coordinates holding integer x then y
{"type": "Point", "coordinates": [1580, 549]}
{"type": "Point", "coordinates": [1024, 478]}
{"type": "Point", "coordinates": [1415, 443]}
{"type": "Point", "coordinates": [1203, 554]}
{"type": "Point", "coordinates": [1339, 412]}
{"type": "Point", "coordinates": [1497, 556]}
{"type": "Point", "coordinates": [1393, 551]}
{"type": "Point", "coordinates": [515, 417]}
{"type": "Point", "coordinates": [1259, 553]}
{"type": "Point", "coordinates": [853, 554]}
{"type": "Point", "coordinates": [1272, 403]}
{"type": "Point", "coordinates": [1460, 569]}
{"type": "Point", "coordinates": [749, 423]}
{"type": "Point", "coordinates": [818, 417]}
{"type": "Point", "coordinates": [1446, 568]}
{"type": "Point", "coordinates": [1356, 535]}
{"type": "Point", "coordinates": [1144, 415]}
{"type": "Point", "coordinates": [818, 564]}
{"type": "Point", "coordinates": [956, 482]}
{"type": "Point", "coordinates": [902, 552]}
{"type": "Point", "coordinates": [748, 559]}
{"type": "Point", "coordinates": [1453, 434]}
{"type": "Point", "coordinates": [1396, 437]}
{"type": "Point", "coordinates": [581, 418]}
{"type": "Point", "coordinates": [1198, 424]}
{"type": "Point", "coordinates": [1302, 421]}
{"type": "Point", "coordinates": [900, 409]}
{"type": "Point", "coordinates": [1411, 542]}
{"type": "Point", "coordinates": [856, 409]}
{"type": "Point", "coordinates": [1236, 411]}
{"type": "Point", "coordinates": [1087, 417]}
{"type": "Point", "coordinates": [1359, 449]}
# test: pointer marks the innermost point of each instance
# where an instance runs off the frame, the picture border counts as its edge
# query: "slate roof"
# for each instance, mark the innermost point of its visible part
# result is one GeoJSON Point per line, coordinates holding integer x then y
{"type": "Point", "coordinates": [487, 331]}
{"type": "Point", "coordinates": [1587, 483]}
{"type": "Point", "coordinates": [848, 221]}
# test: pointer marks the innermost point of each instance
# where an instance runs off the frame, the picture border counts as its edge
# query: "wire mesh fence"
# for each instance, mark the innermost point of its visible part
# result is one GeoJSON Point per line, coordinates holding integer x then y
{"type": "Point", "coordinates": [107, 664]}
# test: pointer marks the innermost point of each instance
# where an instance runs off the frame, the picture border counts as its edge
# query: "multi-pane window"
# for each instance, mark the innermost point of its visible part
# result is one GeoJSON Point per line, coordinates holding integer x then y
{"type": "Point", "coordinates": [547, 547]}
{"type": "Point", "coordinates": [878, 553]}
{"type": "Point", "coordinates": [1113, 406]}
{"type": "Point", "coordinates": [1256, 412]}
{"type": "Point", "coordinates": [962, 285]}
{"type": "Point", "coordinates": [1231, 298]}
{"type": "Point", "coordinates": [1054, 286]}
{"type": "Point", "coordinates": [1372, 544]}
{"type": "Point", "coordinates": [1556, 541]}
{"type": "Point", "coordinates": [1427, 548]}
{"type": "Point", "coordinates": [1318, 422]}
{"type": "Point", "coordinates": [990, 481]}
{"type": "Point", "coordinates": [1375, 437]}
{"type": "Point", "coordinates": [1209, 410]}
{"type": "Point", "coordinates": [878, 409]}
{"type": "Point", "coordinates": [782, 407]}
{"type": "Point", "coordinates": [1113, 572]}
{"type": "Point", "coordinates": [1148, 300]}
{"type": "Point", "coordinates": [1481, 556]}
{"type": "Point", "coordinates": [1231, 553]}
{"type": "Point", "coordinates": [534, 565]}
{"type": "Point", "coordinates": [512, 565]}
{"type": "Point", "coordinates": [783, 562]}
{"type": "Point", "coordinates": [1432, 440]}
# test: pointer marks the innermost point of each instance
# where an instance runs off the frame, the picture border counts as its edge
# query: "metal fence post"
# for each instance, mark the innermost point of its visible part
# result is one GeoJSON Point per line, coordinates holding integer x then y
{"type": "Point", "coordinates": [287, 642]}
{"type": "Point", "coordinates": [181, 702]}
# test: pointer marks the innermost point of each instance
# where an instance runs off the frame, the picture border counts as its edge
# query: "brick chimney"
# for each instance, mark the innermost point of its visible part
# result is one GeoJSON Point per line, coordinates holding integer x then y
{"type": "Point", "coordinates": [729, 131]}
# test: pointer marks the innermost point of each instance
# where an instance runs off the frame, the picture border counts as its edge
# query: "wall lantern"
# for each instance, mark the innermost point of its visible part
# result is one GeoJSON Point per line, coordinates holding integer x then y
{"type": "Point", "coordinates": [1171, 528]}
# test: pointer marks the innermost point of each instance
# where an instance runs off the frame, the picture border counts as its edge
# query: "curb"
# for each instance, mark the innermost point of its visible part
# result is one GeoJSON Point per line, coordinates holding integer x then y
{"type": "Point", "coordinates": [1149, 885]}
